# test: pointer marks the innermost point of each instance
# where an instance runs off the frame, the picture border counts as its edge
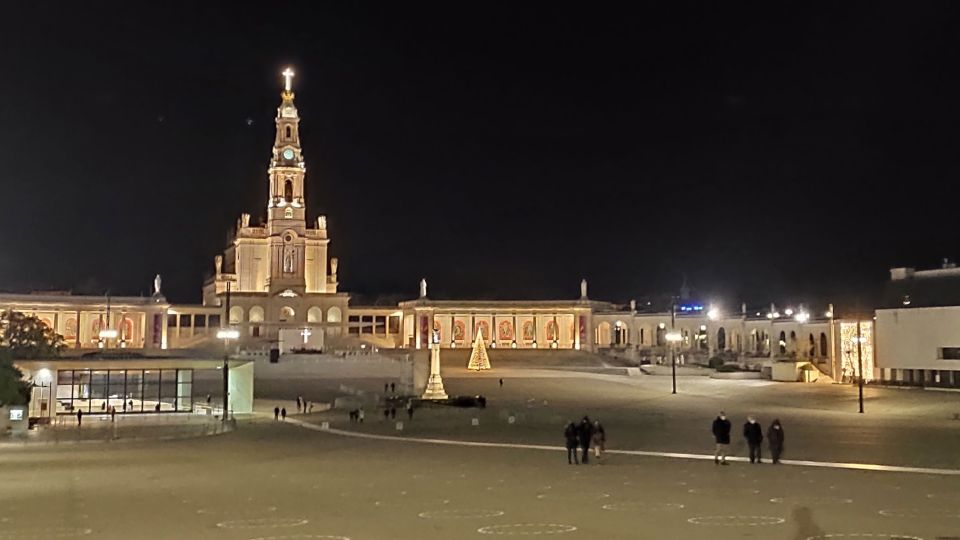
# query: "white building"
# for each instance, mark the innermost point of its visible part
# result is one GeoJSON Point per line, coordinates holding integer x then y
{"type": "Point", "coordinates": [918, 327]}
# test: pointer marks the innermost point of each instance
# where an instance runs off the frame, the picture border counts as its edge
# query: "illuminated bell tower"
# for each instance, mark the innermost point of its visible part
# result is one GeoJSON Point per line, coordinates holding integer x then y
{"type": "Point", "coordinates": [286, 212]}
{"type": "Point", "coordinates": [285, 207]}
{"type": "Point", "coordinates": [286, 257]}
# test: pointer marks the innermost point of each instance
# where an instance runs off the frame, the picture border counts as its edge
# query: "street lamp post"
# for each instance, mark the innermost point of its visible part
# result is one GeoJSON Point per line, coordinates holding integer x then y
{"type": "Point", "coordinates": [673, 338]}
{"type": "Point", "coordinates": [226, 333]}
{"type": "Point", "coordinates": [860, 363]}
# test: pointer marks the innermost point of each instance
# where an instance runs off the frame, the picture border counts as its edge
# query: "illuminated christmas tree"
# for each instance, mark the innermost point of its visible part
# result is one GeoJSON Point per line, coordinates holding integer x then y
{"type": "Point", "coordinates": [478, 358]}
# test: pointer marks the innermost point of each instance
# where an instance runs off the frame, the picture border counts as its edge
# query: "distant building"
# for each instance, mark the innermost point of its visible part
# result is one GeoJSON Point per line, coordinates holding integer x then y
{"type": "Point", "coordinates": [277, 285]}
{"type": "Point", "coordinates": [918, 327]}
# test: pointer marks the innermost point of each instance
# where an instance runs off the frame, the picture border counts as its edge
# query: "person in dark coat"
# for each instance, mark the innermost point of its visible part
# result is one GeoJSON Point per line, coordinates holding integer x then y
{"type": "Point", "coordinates": [570, 434]}
{"type": "Point", "coordinates": [585, 433]}
{"type": "Point", "coordinates": [721, 434]}
{"type": "Point", "coordinates": [283, 413]}
{"type": "Point", "coordinates": [775, 440]}
{"type": "Point", "coordinates": [753, 433]}
{"type": "Point", "coordinates": [79, 418]}
{"type": "Point", "coordinates": [276, 413]}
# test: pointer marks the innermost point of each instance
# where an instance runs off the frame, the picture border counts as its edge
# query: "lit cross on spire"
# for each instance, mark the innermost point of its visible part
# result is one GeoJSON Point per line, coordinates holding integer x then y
{"type": "Point", "coordinates": [288, 75]}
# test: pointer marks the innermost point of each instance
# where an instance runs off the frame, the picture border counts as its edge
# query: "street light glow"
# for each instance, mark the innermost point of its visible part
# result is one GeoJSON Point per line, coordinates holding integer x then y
{"type": "Point", "coordinates": [228, 333]}
{"type": "Point", "coordinates": [802, 317]}
{"type": "Point", "coordinates": [713, 313]}
{"type": "Point", "coordinates": [108, 333]}
{"type": "Point", "coordinates": [674, 337]}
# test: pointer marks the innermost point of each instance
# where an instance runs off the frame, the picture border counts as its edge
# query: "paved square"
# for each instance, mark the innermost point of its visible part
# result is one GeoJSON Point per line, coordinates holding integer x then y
{"type": "Point", "coordinates": [275, 480]}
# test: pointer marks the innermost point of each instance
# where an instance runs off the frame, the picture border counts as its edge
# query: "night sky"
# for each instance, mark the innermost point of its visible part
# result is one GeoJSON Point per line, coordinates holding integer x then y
{"type": "Point", "coordinates": [789, 152]}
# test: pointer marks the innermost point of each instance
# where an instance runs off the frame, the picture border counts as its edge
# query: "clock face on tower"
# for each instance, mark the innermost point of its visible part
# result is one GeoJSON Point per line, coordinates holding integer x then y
{"type": "Point", "coordinates": [288, 153]}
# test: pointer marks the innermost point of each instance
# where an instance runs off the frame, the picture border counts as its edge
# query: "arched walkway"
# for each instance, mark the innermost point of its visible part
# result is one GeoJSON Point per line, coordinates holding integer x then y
{"type": "Point", "coordinates": [603, 334]}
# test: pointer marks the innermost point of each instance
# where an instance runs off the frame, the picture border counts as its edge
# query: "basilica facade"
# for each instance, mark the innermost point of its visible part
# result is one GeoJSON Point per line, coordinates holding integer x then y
{"type": "Point", "coordinates": [278, 274]}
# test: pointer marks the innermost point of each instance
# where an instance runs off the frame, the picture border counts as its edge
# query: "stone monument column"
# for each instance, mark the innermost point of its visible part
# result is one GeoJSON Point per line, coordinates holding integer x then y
{"type": "Point", "coordinates": [434, 388]}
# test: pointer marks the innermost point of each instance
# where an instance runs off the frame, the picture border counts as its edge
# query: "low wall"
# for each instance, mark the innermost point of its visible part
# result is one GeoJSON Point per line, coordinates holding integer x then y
{"type": "Point", "coordinates": [737, 375]}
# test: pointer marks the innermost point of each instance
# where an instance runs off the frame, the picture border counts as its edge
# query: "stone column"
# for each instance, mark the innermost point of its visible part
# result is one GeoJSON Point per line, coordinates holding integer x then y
{"type": "Point", "coordinates": [434, 388]}
{"type": "Point", "coordinates": [576, 330]}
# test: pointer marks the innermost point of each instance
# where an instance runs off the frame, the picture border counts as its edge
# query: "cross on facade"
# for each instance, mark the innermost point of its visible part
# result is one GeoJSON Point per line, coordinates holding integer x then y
{"type": "Point", "coordinates": [306, 333]}
{"type": "Point", "coordinates": [288, 75]}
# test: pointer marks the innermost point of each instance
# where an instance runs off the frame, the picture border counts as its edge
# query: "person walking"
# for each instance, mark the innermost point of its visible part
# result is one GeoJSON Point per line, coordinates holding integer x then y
{"type": "Point", "coordinates": [570, 435]}
{"type": "Point", "coordinates": [501, 383]}
{"type": "Point", "coordinates": [599, 439]}
{"type": "Point", "coordinates": [298, 403]}
{"type": "Point", "coordinates": [393, 413]}
{"type": "Point", "coordinates": [113, 414]}
{"type": "Point", "coordinates": [79, 418]}
{"type": "Point", "coordinates": [276, 413]}
{"type": "Point", "coordinates": [360, 415]}
{"type": "Point", "coordinates": [386, 387]}
{"type": "Point", "coordinates": [721, 434]}
{"type": "Point", "coordinates": [283, 413]}
{"type": "Point", "coordinates": [410, 409]}
{"type": "Point", "coordinates": [775, 440]}
{"type": "Point", "coordinates": [386, 414]}
{"type": "Point", "coordinates": [393, 387]}
{"type": "Point", "coordinates": [585, 434]}
{"type": "Point", "coordinates": [754, 435]}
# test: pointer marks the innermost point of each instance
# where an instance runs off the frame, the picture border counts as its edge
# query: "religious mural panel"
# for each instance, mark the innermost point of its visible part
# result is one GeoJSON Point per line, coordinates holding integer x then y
{"type": "Point", "coordinates": [459, 330]}
{"type": "Point", "coordinates": [552, 331]}
{"type": "Point", "coordinates": [483, 328]}
{"type": "Point", "coordinates": [528, 333]}
{"type": "Point", "coordinates": [70, 330]}
{"type": "Point", "coordinates": [506, 330]}
{"type": "Point", "coordinates": [424, 330]}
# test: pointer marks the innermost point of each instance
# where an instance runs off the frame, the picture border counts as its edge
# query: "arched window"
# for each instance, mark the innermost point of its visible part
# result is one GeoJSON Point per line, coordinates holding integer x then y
{"type": "Point", "coordinates": [315, 315]}
{"type": "Point", "coordinates": [783, 343]}
{"type": "Point", "coordinates": [604, 337]}
{"type": "Point", "coordinates": [334, 315]}
{"type": "Point", "coordinates": [286, 313]}
{"type": "Point", "coordinates": [236, 315]}
{"type": "Point", "coordinates": [288, 212]}
{"type": "Point", "coordinates": [823, 345]}
{"type": "Point", "coordinates": [256, 314]}
{"type": "Point", "coordinates": [813, 346]}
{"type": "Point", "coordinates": [289, 132]}
{"type": "Point", "coordinates": [721, 339]}
{"type": "Point", "coordinates": [288, 190]}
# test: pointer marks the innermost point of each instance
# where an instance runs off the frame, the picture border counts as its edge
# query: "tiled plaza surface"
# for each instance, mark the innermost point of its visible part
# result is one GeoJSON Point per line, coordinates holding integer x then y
{"type": "Point", "coordinates": [282, 481]}
{"type": "Point", "coordinates": [275, 480]}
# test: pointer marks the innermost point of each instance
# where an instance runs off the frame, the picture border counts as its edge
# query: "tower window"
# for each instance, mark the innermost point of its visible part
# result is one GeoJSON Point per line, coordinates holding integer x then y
{"type": "Point", "coordinates": [288, 190]}
{"type": "Point", "coordinates": [288, 212]}
{"type": "Point", "coordinates": [289, 132]}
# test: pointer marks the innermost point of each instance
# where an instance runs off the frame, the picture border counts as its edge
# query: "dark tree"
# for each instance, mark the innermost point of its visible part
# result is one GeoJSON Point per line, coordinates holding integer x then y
{"type": "Point", "coordinates": [22, 336]}
{"type": "Point", "coordinates": [27, 337]}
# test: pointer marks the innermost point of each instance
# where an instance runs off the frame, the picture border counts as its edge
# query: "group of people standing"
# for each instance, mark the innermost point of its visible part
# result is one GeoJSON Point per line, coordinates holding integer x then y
{"type": "Point", "coordinates": [753, 434]}
{"type": "Point", "coordinates": [582, 435]}
{"type": "Point", "coordinates": [304, 406]}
